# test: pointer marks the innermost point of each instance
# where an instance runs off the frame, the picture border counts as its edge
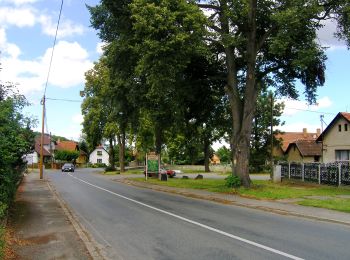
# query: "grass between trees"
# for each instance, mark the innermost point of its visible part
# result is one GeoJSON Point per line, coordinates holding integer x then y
{"type": "Point", "coordinates": [307, 194]}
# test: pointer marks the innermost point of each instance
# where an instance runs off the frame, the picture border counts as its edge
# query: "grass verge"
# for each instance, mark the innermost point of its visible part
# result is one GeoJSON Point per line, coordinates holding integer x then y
{"type": "Point", "coordinates": [338, 204]}
{"type": "Point", "coordinates": [259, 189]}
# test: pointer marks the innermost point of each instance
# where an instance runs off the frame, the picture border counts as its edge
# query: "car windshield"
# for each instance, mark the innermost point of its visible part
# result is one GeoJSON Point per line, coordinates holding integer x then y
{"type": "Point", "coordinates": [68, 165]}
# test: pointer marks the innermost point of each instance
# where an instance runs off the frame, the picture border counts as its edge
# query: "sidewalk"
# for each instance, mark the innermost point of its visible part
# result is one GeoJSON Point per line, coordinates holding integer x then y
{"type": "Point", "coordinates": [40, 227]}
{"type": "Point", "coordinates": [279, 207]}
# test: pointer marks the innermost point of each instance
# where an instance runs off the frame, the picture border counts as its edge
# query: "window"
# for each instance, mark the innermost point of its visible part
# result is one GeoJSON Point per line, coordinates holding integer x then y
{"type": "Point", "coordinates": [339, 128]}
{"type": "Point", "coordinates": [342, 155]}
{"type": "Point", "coordinates": [99, 160]}
{"type": "Point", "coordinates": [345, 127]}
{"type": "Point", "coordinates": [99, 153]}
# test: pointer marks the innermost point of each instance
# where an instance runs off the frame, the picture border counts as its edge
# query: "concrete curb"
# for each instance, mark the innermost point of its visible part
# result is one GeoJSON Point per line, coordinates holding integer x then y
{"type": "Point", "coordinates": [197, 195]}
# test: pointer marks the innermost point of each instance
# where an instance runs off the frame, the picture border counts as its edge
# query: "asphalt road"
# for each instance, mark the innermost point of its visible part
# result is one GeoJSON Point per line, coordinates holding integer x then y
{"type": "Point", "coordinates": [135, 223]}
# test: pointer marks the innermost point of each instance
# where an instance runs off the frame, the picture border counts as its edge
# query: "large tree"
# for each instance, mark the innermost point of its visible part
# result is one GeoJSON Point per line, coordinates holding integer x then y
{"type": "Point", "coordinates": [269, 43]}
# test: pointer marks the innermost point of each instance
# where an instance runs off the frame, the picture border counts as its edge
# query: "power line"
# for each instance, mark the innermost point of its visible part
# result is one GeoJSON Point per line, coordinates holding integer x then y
{"type": "Point", "coordinates": [67, 100]}
{"type": "Point", "coordinates": [53, 47]}
{"type": "Point", "coordinates": [308, 110]}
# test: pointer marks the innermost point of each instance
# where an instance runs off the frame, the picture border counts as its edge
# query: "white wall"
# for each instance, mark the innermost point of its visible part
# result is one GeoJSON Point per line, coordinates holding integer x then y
{"type": "Point", "coordinates": [105, 156]}
{"type": "Point", "coordinates": [335, 140]}
{"type": "Point", "coordinates": [31, 158]}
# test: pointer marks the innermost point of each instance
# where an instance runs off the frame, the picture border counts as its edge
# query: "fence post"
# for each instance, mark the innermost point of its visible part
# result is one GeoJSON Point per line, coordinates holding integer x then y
{"type": "Point", "coordinates": [302, 171]}
{"type": "Point", "coordinates": [319, 173]}
{"type": "Point", "coordinates": [339, 174]}
{"type": "Point", "coordinates": [288, 170]}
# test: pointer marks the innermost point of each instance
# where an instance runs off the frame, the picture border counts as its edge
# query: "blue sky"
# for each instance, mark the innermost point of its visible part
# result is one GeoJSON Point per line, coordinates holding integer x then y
{"type": "Point", "coordinates": [27, 29]}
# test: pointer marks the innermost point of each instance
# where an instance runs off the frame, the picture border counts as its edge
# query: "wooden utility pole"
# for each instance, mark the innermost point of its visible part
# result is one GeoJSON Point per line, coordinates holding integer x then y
{"type": "Point", "coordinates": [271, 129]}
{"type": "Point", "coordinates": [42, 139]}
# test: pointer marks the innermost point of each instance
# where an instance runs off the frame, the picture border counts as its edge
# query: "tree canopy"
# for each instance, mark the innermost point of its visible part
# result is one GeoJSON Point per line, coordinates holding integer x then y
{"type": "Point", "coordinates": [254, 46]}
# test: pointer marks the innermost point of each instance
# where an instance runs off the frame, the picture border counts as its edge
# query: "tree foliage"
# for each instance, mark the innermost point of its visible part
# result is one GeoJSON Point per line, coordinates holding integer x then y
{"type": "Point", "coordinates": [16, 140]}
{"type": "Point", "coordinates": [251, 46]}
{"type": "Point", "coordinates": [66, 156]}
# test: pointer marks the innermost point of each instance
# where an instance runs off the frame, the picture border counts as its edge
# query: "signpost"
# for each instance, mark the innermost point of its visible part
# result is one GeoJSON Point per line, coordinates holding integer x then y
{"type": "Point", "coordinates": [152, 163]}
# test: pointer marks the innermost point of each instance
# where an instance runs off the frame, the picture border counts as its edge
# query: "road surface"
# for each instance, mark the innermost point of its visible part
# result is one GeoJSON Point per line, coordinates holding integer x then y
{"type": "Point", "coordinates": [135, 223]}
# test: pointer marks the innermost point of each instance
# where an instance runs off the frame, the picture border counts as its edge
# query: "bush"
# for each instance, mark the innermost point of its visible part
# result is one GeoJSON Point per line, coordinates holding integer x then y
{"type": "Point", "coordinates": [110, 169]}
{"type": "Point", "coordinates": [233, 181]}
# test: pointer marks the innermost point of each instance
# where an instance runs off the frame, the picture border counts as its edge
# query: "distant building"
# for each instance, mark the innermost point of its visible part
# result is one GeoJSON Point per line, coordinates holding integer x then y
{"type": "Point", "coordinates": [304, 151]}
{"type": "Point", "coordinates": [48, 148]}
{"type": "Point", "coordinates": [335, 139]}
{"type": "Point", "coordinates": [215, 159]}
{"type": "Point", "coordinates": [99, 155]}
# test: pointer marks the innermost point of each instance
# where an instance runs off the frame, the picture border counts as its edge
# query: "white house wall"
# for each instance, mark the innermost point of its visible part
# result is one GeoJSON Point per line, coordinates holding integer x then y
{"type": "Point", "coordinates": [93, 156]}
{"type": "Point", "coordinates": [335, 140]}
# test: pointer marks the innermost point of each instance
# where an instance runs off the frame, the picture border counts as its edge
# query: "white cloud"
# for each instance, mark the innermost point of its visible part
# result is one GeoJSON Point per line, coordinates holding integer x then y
{"type": "Point", "coordinates": [19, 2]}
{"type": "Point", "coordinates": [70, 61]}
{"type": "Point", "coordinates": [327, 38]}
{"type": "Point", "coordinates": [99, 47]}
{"type": "Point", "coordinates": [19, 17]}
{"type": "Point", "coordinates": [78, 118]}
{"type": "Point", "coordinates": [66, 27]}
{"type": "Point", "coordinates": [293, 107]}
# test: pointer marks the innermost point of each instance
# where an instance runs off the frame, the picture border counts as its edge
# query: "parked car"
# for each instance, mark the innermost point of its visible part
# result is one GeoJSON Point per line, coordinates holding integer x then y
{"type": "Point", "coordinates": [68, 167]}
{"type": "Point", "coordinates": [170, 173]}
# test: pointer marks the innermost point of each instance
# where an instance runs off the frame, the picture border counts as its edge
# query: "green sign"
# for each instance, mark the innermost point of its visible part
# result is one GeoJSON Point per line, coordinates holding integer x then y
{"type": "Point", "coordinates": [152, 163]}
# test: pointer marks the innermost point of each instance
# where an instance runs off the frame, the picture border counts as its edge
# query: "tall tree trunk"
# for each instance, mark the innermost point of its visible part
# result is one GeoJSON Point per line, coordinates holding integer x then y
{"type": "Point", "coordinates": [111, 153]}
{"type": "Point", "coordinates": [159, 140]}
{"type": "Point", "coordinates": [242, 108]}
{"type": "Point", "coordinates": [206, 156]}
{"type": "Point", "coordinates": [121, 143]}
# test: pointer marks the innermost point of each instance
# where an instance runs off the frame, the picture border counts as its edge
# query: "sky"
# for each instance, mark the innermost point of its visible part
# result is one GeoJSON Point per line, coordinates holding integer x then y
{"type": "Point", "coordinates": [27, 30]}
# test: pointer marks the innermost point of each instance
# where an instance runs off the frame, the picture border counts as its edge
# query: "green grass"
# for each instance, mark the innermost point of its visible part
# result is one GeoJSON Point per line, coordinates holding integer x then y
{"type": "Point", "coordinates": [259, 189]}
{"type": "Point", "coordinates": [333, 203]}
{"type": "Point", "coordinates": [205, 184]}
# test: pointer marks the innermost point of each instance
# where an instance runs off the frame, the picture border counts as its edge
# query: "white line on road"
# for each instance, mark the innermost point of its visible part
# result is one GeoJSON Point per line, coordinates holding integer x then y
{"type": "Point", "coordinates": [195, 222]}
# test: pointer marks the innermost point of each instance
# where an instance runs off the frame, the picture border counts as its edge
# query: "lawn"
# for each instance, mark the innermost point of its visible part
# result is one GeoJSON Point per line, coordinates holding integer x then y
{"type": "Point", "coordinates": [259, 189]}
{"type": "Point", "coordinates": [332, 203]}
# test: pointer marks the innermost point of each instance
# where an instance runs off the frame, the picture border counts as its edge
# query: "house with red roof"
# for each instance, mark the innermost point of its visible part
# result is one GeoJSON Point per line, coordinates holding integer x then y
{"type": "Point", "coordinates": [298, 146]}
{"type": "Point", "coordinates": [48, 149]}
{"type": "Point", "coordinates": [72, 146]}
{"type": "Point", "coordinates": [335, 139]}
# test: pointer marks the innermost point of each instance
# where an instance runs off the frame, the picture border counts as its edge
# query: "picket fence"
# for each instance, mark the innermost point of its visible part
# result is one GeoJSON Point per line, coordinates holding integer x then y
{"type": "Point", "coordinates": [337, 173]}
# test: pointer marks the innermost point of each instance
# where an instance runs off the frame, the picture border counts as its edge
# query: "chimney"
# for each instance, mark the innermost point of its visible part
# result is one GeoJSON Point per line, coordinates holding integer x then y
{"type": "Point", "coordinates": [304, 132]}
{"type": "Point", "coordinates": [318, 132]}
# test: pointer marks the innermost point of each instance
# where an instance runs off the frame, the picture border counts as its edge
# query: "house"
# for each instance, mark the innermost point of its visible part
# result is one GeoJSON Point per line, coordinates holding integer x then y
{"type": "Point", "coordinates": [215, 159]}
{"type": "Point", "coordinates": [66, 146]}
{"type": "Point", "coordinates": [99, 155]}
{"type": "Point", "coordinates": [287, 138]}
{"type": "Point", "coordinates": [304, 151]}
{"type": "Point", "coordinates": [72, 146]}
{"type": "Point", "coordinates": [48, 148]}
{"type": "Point", "coordinates": [335, 139]}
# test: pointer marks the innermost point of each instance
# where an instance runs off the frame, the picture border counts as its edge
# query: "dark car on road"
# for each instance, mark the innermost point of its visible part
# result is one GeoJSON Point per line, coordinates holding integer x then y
{"type": "Point", "coordinates": [68, 167]}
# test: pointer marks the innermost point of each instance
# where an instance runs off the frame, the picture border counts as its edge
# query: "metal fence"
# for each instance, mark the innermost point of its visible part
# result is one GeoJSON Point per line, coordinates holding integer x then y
{"type": "Point", "coordinates": [337, 173]}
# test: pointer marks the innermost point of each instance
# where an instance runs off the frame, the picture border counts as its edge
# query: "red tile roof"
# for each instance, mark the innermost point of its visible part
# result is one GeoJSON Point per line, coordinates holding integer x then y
{"type": "Point", "coordinates": [67, 146]}
{"type": "Point", "coordinates": [46, 139]}
{"type": "Point", "coordinates": [307, 147]}
{"type": "Point", "coordinates": [346, 115]}
{"type": "Point", "coordinates": [291, 137]}
{"type": "Point", "coordinates": [37, 149]}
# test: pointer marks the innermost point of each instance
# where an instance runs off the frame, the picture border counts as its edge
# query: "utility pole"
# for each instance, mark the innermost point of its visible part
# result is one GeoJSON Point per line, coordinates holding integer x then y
{"type": "Point", "coordinates": [42, 139]}
{"type": "Point", "coordinates": [321, 118]}
{"type": "Point", "coordinates": [271, 129]}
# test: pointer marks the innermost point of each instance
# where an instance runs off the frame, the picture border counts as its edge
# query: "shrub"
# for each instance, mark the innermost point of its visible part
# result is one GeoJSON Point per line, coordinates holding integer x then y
{"type": "Point", "coordinates": [110, 169]}
{"type": "Point", "coordinates": [233, 181]}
